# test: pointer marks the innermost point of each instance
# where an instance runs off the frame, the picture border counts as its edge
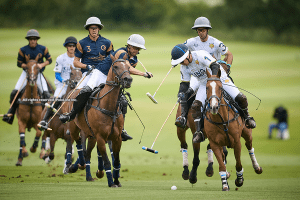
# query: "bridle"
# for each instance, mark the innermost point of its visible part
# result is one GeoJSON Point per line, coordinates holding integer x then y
{"type": "Point", "coordinates": [215, 96]}
{"type": "Point", "coordinates": [117, 79]}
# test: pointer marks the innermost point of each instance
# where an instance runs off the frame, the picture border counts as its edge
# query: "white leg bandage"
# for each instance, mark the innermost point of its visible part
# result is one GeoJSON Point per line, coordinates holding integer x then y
{"type": "Point", "coordinates": [253, 159]}
{"type": "Point", "coordinates": [210, 156]}
{"type": "Point", "coordinates": [185, 157]}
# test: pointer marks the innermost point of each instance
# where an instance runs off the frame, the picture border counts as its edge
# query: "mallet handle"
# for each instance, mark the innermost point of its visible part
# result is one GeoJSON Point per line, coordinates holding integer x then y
{"type": "Point", "coordinates": [162, 81]}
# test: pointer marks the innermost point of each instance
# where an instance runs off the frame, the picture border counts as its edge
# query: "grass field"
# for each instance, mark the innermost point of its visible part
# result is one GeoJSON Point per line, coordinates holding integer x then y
{"type": "Point", "coordinates": [269, 71]}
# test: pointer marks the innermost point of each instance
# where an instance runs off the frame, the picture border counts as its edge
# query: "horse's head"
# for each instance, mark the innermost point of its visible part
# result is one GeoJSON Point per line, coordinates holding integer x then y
{"type": "Point", "coordinates": [75, 77]}
{"type": "Point", "coordinates": [214, 91]}
{"type": "Point", "coordinates": [32, 71]}
{"type": "Point", "coordinates": [120, 72]}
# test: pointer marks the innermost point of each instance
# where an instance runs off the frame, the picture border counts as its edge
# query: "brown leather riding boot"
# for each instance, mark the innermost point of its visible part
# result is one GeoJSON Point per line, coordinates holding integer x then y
{"type": "Point", "coordinates": [241, 99]}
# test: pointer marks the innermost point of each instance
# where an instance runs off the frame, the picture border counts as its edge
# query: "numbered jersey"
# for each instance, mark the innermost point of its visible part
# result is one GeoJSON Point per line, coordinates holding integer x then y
{"type": "Point", "coordinates": [63, 66]}
{"type": "Point", "coordinates": [93, 52]}
{"type": "Point", "coordinates": [213, 46]}
{"type": "Point", "coordinates": [197, 68]}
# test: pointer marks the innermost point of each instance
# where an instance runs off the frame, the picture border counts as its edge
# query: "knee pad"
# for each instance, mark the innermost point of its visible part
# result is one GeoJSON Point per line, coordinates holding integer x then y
{"type": "Point", "coordinates": [241, 99]}
{"type": "Point", "coordinates": [196, 109]}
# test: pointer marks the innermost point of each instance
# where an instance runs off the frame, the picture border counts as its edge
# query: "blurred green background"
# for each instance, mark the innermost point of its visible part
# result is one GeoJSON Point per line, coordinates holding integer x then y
{"type": "Point", "coordinates": [266, 63]}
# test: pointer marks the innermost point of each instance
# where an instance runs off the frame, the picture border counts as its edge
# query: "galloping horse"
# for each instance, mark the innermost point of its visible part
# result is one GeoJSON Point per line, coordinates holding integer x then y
{"type": "Point", "coordinates": [101, 119]}
{"type": "Point", "coordinates": [223, 126]}
{"type": "Point", "coordinates": [29, 110]}
{"type": "Point", "coordinates": [58, 128]}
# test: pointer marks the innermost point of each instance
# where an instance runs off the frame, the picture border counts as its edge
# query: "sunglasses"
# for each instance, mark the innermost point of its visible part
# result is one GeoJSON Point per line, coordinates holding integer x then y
{"type": "Point", "coordinates": [71, 45]}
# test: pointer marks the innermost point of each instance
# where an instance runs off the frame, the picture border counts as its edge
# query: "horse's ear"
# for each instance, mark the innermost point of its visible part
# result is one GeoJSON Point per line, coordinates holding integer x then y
{"type": "Point", "coordinates": [112, 57]}
{"type": "Point", "coordinates": [219, 73]}
{"type": "Point", "coordinates": [208, 74]}
{"type": "Point", "coordinates": [37, 57]}
{"type": "Point", "coordinates": [26, 58]}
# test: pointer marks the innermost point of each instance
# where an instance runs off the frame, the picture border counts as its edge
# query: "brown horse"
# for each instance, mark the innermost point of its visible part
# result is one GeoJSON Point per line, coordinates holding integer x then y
{"type": "Point", "coordinates": [29, 110]}
{"type": "Point", "coordinates": [223, 126]}
{"type": "Point", "coordinates": [103, 120]}
{"type": "Point", "coordinates": [57, 128]}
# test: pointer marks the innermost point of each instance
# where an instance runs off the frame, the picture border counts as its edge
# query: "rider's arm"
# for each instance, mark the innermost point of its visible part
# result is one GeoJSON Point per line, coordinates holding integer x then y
{"type": "Point", "coordinates": [228, 58]}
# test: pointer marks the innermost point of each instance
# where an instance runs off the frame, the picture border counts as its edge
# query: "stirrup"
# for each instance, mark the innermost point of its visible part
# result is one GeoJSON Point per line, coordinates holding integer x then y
{"type": "Point", "coordinates": [250, 122]}
{"type": "Point", "coordinates": [180, 122]}
{"type": "Point", "coordinates": [64, 118]}
{"type": "Point", "coordinates": [43, 125]}
{"type": "Point", "coordinates": [125, 136]}
{"type": "Point", "coordinates": [198, 137]}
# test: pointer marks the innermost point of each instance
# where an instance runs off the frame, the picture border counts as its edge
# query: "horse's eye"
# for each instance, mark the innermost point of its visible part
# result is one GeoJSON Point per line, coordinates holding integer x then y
{"type": "Point", "coordinates": [71, 73]}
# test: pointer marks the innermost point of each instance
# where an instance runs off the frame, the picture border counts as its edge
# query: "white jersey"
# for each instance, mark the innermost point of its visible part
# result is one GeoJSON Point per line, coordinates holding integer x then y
{"type": "Point", "coordinates": [197, 68]}
{"type": "Point", "coordinates": [195, 73]}
{"type": "Point", "coordinates": [213, 46]}
{"type": "Point", "coordinates": [63, 66]}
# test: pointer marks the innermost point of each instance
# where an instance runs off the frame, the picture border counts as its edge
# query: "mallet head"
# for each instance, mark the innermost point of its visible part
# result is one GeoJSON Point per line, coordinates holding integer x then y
{"type": "Point", "coordinates": [151, 97]}
{"type": "Point", "coordinates": [150, 150]}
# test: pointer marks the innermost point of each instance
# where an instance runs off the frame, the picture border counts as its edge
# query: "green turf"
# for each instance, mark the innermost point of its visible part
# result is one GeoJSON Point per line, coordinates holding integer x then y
{"type": "Point", "coordinates": [269, 71]}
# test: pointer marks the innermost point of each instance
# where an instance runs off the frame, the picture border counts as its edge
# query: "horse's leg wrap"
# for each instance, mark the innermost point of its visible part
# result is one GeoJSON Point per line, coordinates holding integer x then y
{"type": "Point", "coordinates": [43, 144]}
{"type": "Point", "coordinates": [239, 178]}
{"type": "Point", "coordinates": [241, 99]}
{"type": "Point", "coordinates": [185, 157]}
{"type": "Point", "coordinates": [197, 115]}
{"type": "Point", "coordinates": [22, 143]}
{"type": "Point", "coordinates": [36, 142]}
{"type": "Point", "coordinates": [253, 159]}
{"type": "Point", "coordinates": [107, 167]}
{"type": "Point", "coordinates": [225, 186]}
{"type": "Point", "coordinates": [88, 171]}
{"type": "Point", "coordinates": [80, 152]}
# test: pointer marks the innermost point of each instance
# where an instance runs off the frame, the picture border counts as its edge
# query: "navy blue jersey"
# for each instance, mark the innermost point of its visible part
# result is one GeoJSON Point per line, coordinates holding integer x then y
{"type": "Point", "coordinates": [93, 52]}
{"type": "Point", "coordinates": [121, 53]}
{"type": "Point", "coordinates": [133, 61]}
{"type": "Point", "coordinates": [38, 53]}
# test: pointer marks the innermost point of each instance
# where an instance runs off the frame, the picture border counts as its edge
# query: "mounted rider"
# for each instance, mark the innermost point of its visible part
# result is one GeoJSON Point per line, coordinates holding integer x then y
{"type": "Point", "coordinates": [194, 63]}
{"type": "Point", "coordinates": [30, 52]}
{"type": "Point", "coordinates": [64, 63]}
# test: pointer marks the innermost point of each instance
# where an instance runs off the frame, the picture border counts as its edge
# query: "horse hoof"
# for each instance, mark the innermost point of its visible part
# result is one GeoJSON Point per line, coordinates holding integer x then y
{"type": "Point", "coordinates": [193, 181]}
{"type": "Point", "coordinates": [99, 174]}
{"type": "Point", "coordinates": [259, 170]}
{"type": "Point", "coordinates": [225, 189]}
{"type": "Point", "coordinates": [25, 154]}
{"type": "Point", "coordinates": [81, 167]}
{"type": "Point", "coordinates": [72, 169]}
{"type": "Point", "coordinates": [32, 149]}
{"type": "Point", "coordinates": [113, 185]}
{"type": "Point", "coordinates": [19, 163]}
{"type": "Point", "coordinates": [90, 179]}
{"type": "Point", "coordinates": [239, 183]}
{"type": "Point", "coordinates": [210, 170]}
{"type": "Point", "coordinates": [118, 184]}
{"type": "Point", "coordinates": [185, 173]}
{"type": "Point", "coordinates": [228, 175]}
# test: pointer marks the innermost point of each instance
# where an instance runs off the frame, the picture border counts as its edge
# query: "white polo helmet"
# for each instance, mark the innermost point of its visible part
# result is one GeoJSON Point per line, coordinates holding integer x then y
{"type": "Point", "coordinates": [93, 21]}
{"type": "Point", "coordinates": [202, 22]}
{"type": "Point", "coordinates": [136, 40]}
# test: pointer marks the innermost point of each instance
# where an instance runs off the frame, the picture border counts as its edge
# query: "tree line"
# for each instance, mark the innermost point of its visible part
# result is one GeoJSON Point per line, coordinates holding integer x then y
{"type": "Point", "coordinates": [277, 17]}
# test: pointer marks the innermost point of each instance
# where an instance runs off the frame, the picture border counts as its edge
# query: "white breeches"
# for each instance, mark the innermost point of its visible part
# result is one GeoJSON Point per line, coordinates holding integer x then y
{"type": "Point", "coordinates": [41, 82]}
{"type": "Point", "coordinates": [228, 86]}
{"type": "Point", "coordinates": [93, 80]}
{"type": "Point", "coordinates": [60, 90]}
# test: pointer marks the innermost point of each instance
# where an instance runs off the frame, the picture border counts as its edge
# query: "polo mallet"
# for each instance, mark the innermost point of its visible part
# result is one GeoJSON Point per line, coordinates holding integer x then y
{"type": "Point", "coordinates": [143, 66]}
{"type": "Point", "coordinates": [13, 101]}
{"type": "Point", "coordinates": [51, 106]}
{"type": "Point", "coordinates": [150, 149]}
{"type": "Point", "coordinates": [49, 129]}
{"type": "Point", "coordinates": [152, 97]}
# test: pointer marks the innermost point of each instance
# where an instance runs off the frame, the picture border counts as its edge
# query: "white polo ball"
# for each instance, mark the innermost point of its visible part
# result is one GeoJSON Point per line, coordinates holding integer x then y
{"type": "Point", "coordinates": [173, 187]}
